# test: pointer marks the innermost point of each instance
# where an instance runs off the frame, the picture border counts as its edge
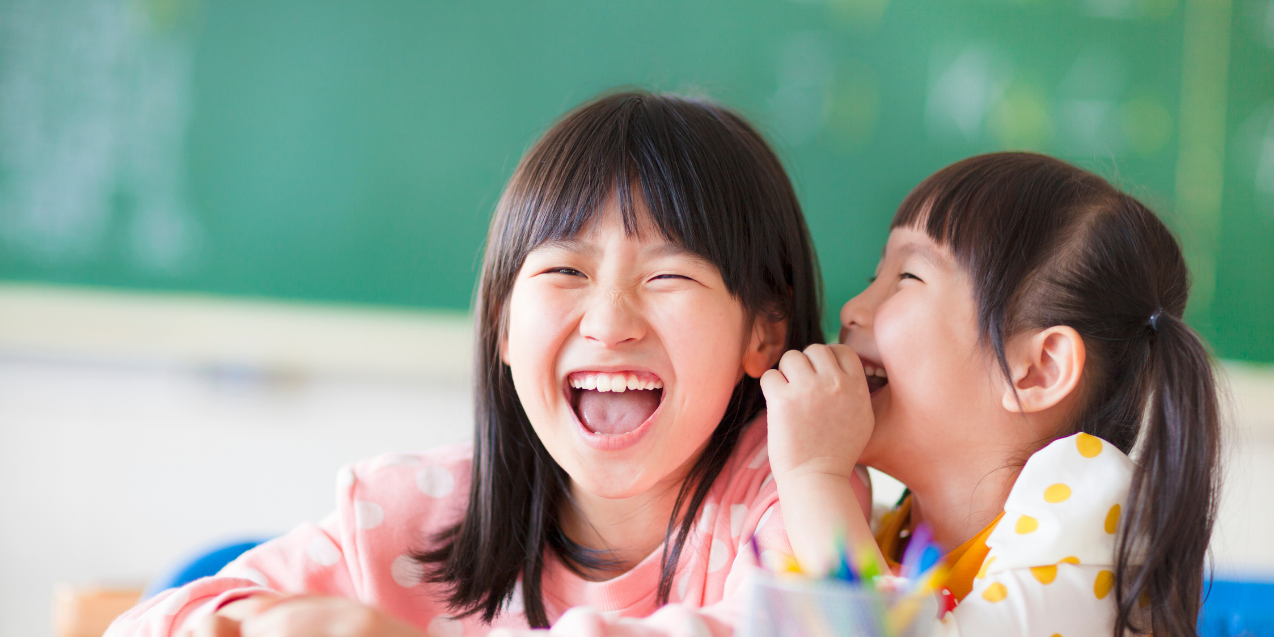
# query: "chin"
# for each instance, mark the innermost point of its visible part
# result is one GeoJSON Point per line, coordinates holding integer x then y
{"type": "Point", "coordinates": [611, 484]}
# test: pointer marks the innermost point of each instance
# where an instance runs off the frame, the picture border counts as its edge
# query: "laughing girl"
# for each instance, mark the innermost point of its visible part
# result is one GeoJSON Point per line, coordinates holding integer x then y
{"type": "Point", "coordinates": [646, 264]}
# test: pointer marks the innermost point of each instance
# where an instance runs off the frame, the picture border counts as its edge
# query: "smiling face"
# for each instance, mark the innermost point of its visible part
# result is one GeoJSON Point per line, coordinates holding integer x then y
{"type": "Point", "coordinates": [915, 328]}
{"type": "Point", "coordinates": [637, 315]}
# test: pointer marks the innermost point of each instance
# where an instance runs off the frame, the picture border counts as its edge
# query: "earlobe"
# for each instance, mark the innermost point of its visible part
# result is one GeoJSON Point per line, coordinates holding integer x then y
{"type": "Point", "coordinates": [765, 346]}
{"type": "Point", "coordinates": [1046, 368]}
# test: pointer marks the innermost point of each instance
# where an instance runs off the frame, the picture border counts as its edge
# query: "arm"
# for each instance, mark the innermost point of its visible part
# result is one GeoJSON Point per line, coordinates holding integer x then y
{"type": "Point", "coordinates": [309, 559]}
{"type": "Point", "coordinates": [269, 615]}
{"type": "Point", "coordinates": [820, 419]}
{"type": "Point", "coordinates": [305, 560]}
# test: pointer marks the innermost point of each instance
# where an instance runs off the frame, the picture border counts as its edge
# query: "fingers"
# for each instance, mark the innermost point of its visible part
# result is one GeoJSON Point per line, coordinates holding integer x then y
{"type": "Point", "coordinates": [796, 367]}
{"type": "Point", "coordinates": [772, 382]}
{"type": "Point", "coordinates": [213, 626]}
{"type": "Point", "coordinates": [241, 609]}
{"type": "Point", "coordinates": [848, 359]}
{"type": "Point", "coordinates": [291, 615]}
{"type": "Point", "coordinates": [817, 360]}
{"type": "Point", "coordinates": [822, 359]}
{"type": "Point", "coordinates": [835, 359]}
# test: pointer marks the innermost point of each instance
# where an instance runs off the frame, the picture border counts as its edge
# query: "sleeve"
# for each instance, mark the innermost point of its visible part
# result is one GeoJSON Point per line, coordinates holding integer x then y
{"type": "Point", "coordinates": [312, 558]}
{"type": "Point", "coordinates": [1065, 599]}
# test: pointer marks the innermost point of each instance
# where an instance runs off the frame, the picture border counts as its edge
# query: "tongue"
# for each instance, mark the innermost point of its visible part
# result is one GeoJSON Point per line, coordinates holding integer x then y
{"type": "Point", "coordinates": [614, 413]}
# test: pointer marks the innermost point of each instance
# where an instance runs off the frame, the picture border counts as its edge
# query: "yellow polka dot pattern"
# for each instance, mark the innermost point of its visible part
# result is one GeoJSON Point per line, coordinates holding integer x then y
{"type": "Point", "coordinates": [1089, 446]}
{"type": "Point", "coordinates": [1062, 511]}
{"type": "Point", "coordinates": [1105, 581]}
{"type": "Point", "coordinates": [1026, 524]}
{"type": "Point", "coordinates": [1044, 574]}
{"type": "Point", "coordinates": [1112, 520]}
{"type": "Point", "coordinates": [996, 592]}
{"type": "Point", "coordinates": [986, 564]}
{"type": "Point", "coordinates": [1057, 493]}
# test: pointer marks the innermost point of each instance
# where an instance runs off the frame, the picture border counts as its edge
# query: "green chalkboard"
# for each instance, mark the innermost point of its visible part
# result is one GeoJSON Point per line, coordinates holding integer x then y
{"type": "Point", "coordinates": [352, 151]}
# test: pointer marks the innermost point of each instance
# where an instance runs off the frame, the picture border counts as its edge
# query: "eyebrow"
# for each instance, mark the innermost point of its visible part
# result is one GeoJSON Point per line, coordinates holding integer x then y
{"type": "Point", "coordinates": [670, 249]}
{"type": "Point", "coordinates": [571, 245]}
{"type": "Point", "coordinates": [924, 252]}
{"type": "Point", "coordinates": [590, 249]}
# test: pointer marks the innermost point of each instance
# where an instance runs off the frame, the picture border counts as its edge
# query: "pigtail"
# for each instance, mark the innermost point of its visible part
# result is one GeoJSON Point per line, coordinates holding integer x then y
{"type": "Point", "coordinates": [1172, 501]}
{"type": "Point", "coordinates": [1047, 243]}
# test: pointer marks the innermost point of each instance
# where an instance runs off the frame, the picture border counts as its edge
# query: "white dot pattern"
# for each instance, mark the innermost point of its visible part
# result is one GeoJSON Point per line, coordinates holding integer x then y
{"type": "Point", "coordinates": [760, 458]}
{"type": "Point", "coordinates": [406, 571]}
{"type": "Point", "coordinates": [323, 551]}
{"type": "Point", "coordinates": [368, 515]}
{"type": "Point", "coordinates": [390, 506]}
{"type": "Point", "coordinates": [435, 482]}
{"type": "Point", "coordinates": [444, 626]}
{"type": "Point", "coordinates": [737, 513]}
{"type": "Point", "coordinates": [719, 556]}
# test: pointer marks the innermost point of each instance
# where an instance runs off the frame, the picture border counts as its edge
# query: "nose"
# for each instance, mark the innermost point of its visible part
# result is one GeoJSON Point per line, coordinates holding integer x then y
{"type": "Point", "coordinates": [610, 320]}
{"type": "Point", "coordinates": [858, 312]}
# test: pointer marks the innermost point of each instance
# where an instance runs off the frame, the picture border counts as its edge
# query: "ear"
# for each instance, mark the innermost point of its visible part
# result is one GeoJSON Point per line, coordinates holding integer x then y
{"type": "Point", "coordinates": [1045, 369]}
{"type": "Point", "coordinates": [504, 350]}
{"type": "Point", "coordinates": [765, 346]}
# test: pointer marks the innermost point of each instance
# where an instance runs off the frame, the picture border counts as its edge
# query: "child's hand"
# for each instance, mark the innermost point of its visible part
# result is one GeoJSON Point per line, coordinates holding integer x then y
{"type": "Point", "coordinates": [820, 418]}
{"type": "Point", "coordinates": [302, 616]}
{"type": "Point", "coordinates": [820, 413]}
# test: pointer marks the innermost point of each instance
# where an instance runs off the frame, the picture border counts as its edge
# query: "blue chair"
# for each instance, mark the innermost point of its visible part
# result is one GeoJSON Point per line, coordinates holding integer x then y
{"type": "Point", "coordinates": [203, 564]}
{"type": "Point", "coordinates": [1235, 608]}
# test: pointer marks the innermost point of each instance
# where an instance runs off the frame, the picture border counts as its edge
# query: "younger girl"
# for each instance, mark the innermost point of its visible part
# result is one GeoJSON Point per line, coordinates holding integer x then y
{"type": "Point", "coordinates": [1022, 335]}
{"type": "Point", "coordinates": [647, 262]}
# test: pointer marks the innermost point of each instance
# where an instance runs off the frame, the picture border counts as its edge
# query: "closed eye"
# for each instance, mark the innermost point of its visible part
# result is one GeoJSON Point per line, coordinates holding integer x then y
{"type": "Point", "coordinates": [908, 275]}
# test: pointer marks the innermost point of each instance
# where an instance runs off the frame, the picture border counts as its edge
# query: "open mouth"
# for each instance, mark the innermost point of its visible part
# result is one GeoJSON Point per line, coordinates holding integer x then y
{"type": "Point", "coordinates": [876, 377]}
{"type": "Point", "coordinates": [614, 403]}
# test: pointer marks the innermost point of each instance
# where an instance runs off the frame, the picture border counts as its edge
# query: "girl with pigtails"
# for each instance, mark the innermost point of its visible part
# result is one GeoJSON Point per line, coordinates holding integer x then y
{"type": "Point", "coordinates": [1020, 363]}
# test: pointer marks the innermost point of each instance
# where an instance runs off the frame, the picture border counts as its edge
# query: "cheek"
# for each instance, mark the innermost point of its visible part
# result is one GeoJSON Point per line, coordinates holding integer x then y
{"type": "Point", "coordinates": [538, 324]}
{"type": "Point", "coordinates": [926, 352]}
{"type": "Point", "coordinates": [704, 343]}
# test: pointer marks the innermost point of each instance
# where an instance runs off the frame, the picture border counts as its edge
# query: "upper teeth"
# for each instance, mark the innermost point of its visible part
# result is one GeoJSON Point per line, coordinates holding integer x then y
{"type": "Point", "coordinates": [621, 381]}
{"type": "Point", "coordinates": [872, 370]}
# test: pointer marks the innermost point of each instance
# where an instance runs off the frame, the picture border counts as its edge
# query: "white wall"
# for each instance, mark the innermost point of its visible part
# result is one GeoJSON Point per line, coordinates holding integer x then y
{"type": "Point", "coordinates": [111, 473]}
{"type": "Point", "coordinates": [121, 459]}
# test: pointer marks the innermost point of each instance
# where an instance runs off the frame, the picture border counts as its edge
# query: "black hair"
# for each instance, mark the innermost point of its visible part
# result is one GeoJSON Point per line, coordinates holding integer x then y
{"type": "Point", "coordinates": [1046, 243]}
{"type": "Point", "coordinates": [709, 183]}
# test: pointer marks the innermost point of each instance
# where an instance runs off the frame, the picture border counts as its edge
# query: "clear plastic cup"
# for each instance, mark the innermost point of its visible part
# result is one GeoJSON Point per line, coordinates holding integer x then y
{"type": "Point", "coordinates": [793, 607]}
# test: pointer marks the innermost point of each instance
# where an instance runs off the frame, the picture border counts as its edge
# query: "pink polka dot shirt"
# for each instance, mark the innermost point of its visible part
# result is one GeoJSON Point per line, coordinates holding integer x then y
{"type": "Point", "coordinates": [388, 507]}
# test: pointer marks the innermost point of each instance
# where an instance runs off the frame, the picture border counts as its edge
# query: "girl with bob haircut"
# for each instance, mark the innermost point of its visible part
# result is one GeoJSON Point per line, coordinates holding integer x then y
{"type": "Point", "coordinates": [646, 264]}
{"type": "Point", "coordinates": [1022, 338]}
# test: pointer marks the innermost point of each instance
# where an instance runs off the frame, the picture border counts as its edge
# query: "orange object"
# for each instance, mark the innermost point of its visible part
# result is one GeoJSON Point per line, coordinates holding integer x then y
{"type": "Point", "coordinates": [86, 611]}
{"type": "Point", "coordinates": [965, 560]}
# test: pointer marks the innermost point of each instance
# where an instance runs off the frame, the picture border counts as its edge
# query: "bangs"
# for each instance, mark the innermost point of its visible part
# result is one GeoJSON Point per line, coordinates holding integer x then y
{"type": "Point", "coordinates": [705, 178]}
{"type": "Point", "coordinates": [1001, 216]}
{"type": "Point", "coordinates": [976, 205]}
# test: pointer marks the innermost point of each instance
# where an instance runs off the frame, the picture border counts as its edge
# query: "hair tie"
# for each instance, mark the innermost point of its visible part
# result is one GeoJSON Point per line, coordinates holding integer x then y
{"type": "Point", "coordinates": [1154, 321]}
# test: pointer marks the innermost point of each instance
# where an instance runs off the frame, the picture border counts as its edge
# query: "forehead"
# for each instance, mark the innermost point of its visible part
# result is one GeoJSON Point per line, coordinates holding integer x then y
{"type": "Point", "coordinates": [907, 242]}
